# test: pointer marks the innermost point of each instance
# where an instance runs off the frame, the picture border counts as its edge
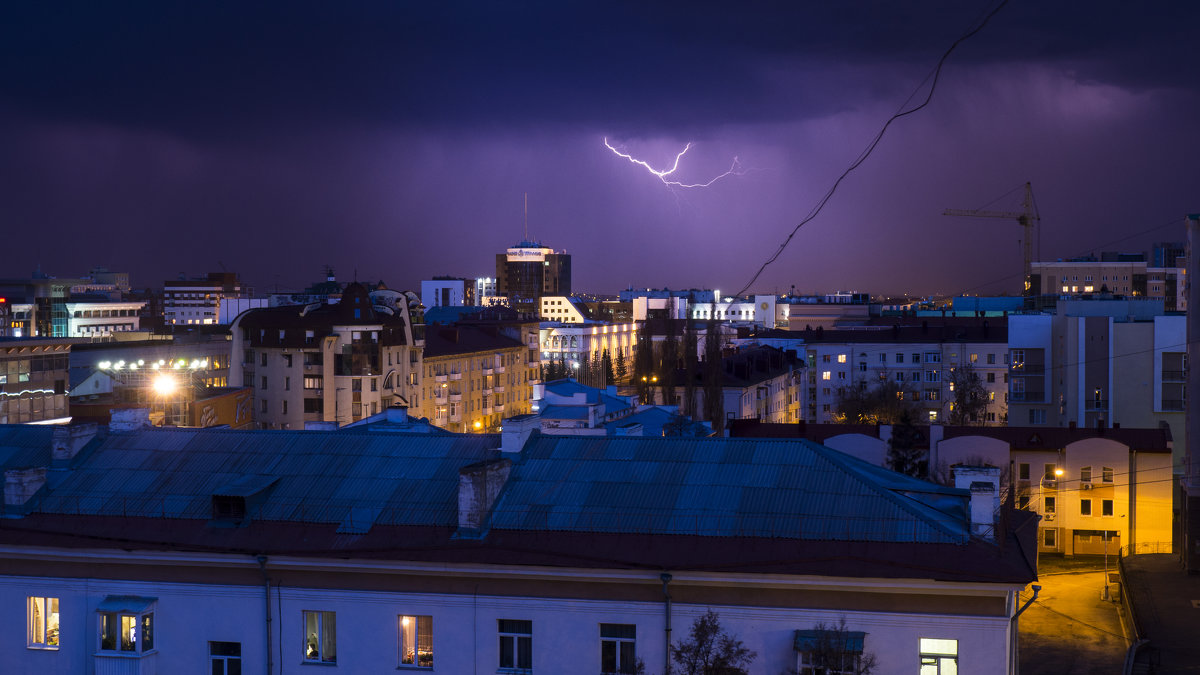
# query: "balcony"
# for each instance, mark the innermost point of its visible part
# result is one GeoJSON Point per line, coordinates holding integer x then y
{"type": "Point", "coordinates": [1174, 376]}
{"type": "Point", "coordinates": [487, 410]}
{"type": "Point", "coordinates": [455, 398]}
{"type": "Point", "coordinates": [440, 378]}
{"type": "Point", "coordinates": [499, 407]}
{"type": "Point", "coordinates": [1095, 404]}
{"type": "Point", "coordinates": [499, 369]}
{"type": "Point", "coordinates": [499, 389]}
{"type": "Point", "coordinates": [441, 395]}
{"type": "Point", "coordinates": [1174, 405]}
{"type": "Point", "coordinates": [488, 391]}
{"type": "Point", "coordinates": [454, 377]}
{"type": "Point", "coordinates": [488, 370]}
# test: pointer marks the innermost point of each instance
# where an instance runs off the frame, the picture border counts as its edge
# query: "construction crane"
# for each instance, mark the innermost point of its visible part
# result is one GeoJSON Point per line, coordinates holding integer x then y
{"type": "Point", "coordinates": [1025, 218]}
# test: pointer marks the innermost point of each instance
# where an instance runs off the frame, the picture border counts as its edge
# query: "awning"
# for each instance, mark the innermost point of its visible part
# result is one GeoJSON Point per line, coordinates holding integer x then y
{"type": "Point", "coordinates": [131, 604]}
{"type": "Point", "coordinates": [807, 640]}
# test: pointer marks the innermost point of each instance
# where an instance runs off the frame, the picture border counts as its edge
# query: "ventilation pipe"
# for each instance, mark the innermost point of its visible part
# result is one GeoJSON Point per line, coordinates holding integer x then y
{"type": "Point", "coordinates": [262, 566]}
{"type": "Point", "coordinates": [666, 579]}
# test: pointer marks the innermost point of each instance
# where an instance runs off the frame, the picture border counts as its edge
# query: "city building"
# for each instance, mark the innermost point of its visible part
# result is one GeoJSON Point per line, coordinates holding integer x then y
{"type": "Point", "coordinates": [197, 301]}
{"type": "Point", "coordinates": [918, 356]}
{"type": "Point", "coordinates": [576, 344]}
{"type": "Point", "coordinates": [565, 309]}
{"type": "Point", "coordinates": [1095, 490]}
{"type": "Point", "coordinates": [33, 380]}
{"type": "Point", "coordinates": [1113, 274]}
{"type": "Point", "coordinates": [449, 292]}
{"type": "Point", "coordinates": [99, 320]}
{"type": "Point", "coordinates": [1099, 362]}
{"type": "Point", "coordinates": [475, 375]}
{"type": "Point", "coordinates": [377, 550]}
{"type": "Point", "coordinates": [529, 270]}
{"type": "Point", "coordinates": [327, 362]}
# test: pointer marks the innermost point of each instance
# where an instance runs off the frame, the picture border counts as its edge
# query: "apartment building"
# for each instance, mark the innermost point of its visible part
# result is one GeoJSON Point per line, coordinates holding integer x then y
{"type": "Point", "coordinates": [1100, 362]}
{"type": "Point", "coordinates": [34, 380]}
{"type": "Point", "coordinates": [327, 362]}
{"type": "Point", "coordinates": [474, 376]}
{"type": "Point", "coordinates": [1115, 275]}
{"type": "Point", "coordinates": [918, 355]}
{"type": "Point", "coordinates": [197, 301]}
{"type": "Point", "coordinates": [537, 554]}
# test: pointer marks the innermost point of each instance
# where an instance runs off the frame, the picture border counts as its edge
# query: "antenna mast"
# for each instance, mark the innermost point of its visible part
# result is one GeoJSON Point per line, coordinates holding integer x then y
{"type": "Point", "coordinates": [526, 217]}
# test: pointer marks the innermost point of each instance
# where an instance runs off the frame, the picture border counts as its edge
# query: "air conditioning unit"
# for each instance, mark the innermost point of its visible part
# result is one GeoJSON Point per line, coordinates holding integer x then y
{"type": "Point", "coordinates": [1085, 486]}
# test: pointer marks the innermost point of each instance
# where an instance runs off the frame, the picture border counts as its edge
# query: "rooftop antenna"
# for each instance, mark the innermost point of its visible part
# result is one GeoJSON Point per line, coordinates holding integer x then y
{"type": "Point", "coordinates": [526, 216]}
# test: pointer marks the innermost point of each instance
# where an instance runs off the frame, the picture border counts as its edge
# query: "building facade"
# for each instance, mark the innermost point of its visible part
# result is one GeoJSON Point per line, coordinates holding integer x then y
{"type": "Point", "coordinates": [34, 381]}
{"type": "Point", "coordinates": [529, 270]}
{"type": "Point", "coordinates": [327, 363]}
{"type": "Point", "coordinates": [198, 301]}
{"type": "Point", "coordinates": [475, 376]}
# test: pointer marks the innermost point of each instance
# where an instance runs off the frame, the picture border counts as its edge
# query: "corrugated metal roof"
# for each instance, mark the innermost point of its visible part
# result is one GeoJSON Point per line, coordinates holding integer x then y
{"type": "Point", "coordinates": [352, 479]}
{"type": "Point", "coordinates": [721, 487]}
{"type": "Point", "coordinates": [25, 445]}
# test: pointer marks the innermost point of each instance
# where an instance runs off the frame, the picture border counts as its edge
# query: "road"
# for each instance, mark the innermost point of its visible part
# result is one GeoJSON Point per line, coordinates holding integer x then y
{"type": "Point", "coordinates": [1070, 630]}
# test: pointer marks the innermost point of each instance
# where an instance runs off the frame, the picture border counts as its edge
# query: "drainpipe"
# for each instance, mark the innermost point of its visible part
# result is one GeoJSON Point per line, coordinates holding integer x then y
{"type": "Point", "coordinates": [666, 579]}
{"type": "Point", "coordinates": [262, 566]}
{"type": "Point", "coordinates": [1012, 623]}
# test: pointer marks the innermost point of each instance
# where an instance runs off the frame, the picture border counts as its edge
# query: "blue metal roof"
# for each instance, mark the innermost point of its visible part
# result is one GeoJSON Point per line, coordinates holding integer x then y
{"type": "Point", "coordinates": [721, 487]}
{"type": "Point", "coordinates": [354, 479]}
{"type": "Point", "coordinates": [25, 445]}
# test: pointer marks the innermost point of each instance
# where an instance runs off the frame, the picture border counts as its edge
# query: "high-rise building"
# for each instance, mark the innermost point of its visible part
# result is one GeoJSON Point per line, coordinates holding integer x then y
{"type": "Point", "coordinates": [198, 301]}
{"type": "Point", "coordinates": [530, 270]}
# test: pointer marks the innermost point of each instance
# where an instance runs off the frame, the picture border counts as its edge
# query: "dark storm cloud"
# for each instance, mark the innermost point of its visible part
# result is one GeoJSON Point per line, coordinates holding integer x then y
{"type": "Point", "coordinates": [220, 68]}
{"type": "Point", "coordinates": [398, 139]}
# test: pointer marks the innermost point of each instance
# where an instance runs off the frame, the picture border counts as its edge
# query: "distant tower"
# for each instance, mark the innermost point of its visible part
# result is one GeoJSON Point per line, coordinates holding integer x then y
{"type": "Point", "coordinates": [529, 270]}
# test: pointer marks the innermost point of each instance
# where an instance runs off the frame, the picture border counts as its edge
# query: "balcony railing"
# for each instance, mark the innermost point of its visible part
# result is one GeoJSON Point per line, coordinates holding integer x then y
{"type": "Point", "coordinates": [1174, 376]}
{"type": "Point", "coordinates": [1174, 405]}
{"type": "Point", "coordinates": [455, 376]}
{"type": "Point", "coordinates": [440, 378]}
{"type": "Point", "coordinates": [1027, 369]}
{"type": "Point", "coordinates": [1095, 404]}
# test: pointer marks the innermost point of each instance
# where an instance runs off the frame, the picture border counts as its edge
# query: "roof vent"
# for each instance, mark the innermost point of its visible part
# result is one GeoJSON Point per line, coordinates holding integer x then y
{"type": "Point", "coordinates": [233, 502]}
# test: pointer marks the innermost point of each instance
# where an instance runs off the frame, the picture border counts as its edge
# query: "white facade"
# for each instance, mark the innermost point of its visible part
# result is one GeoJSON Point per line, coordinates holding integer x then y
{"type": "Point", "coordinates": [190, 615]}
{"type": "Point", "coordinates": [229, 308]}
{"type": "Point", "coordinates": [573, 343]}
{"type": "Point", "coordinates": [560, 308]}
{"type": "Point", "coordinates": [444, 292]}
{"type": "Point", "coordinates": [102, 319]}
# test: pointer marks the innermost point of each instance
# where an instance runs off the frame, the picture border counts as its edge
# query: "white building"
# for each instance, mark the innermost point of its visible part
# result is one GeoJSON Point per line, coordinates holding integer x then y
{"type": "Point", "coordinates": [198, 301]}
{"type": "Point", "coordinates": [198, 551]}
{"type": "Point", "coordinates": [576, 343]}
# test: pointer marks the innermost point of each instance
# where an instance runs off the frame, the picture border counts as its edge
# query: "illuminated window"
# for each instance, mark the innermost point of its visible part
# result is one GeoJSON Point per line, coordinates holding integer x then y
{"type": "Point", "coordinates": [43, 623]}
{"type": "Point", "coordinates": [320, 637]}
{"type": "Point", "coordinates": [825, 375]}
{"type": "Point", "coordinates": [416, 641]}
{"type": "Point", "coordinates": [939, 657]}
{"type": "Point", "coordinates": [841, 358]}
{"type": "Point", "coordinates": [126, 624]}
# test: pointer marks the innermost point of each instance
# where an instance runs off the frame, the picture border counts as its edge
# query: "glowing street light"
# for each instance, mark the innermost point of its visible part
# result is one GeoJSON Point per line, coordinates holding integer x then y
{"type": "Point", "coordinates": [164, 385]}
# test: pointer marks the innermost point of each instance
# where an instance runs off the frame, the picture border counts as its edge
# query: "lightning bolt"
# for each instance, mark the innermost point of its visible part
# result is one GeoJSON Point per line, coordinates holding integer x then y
{"type": "Point", "coordinates": [735, 169]}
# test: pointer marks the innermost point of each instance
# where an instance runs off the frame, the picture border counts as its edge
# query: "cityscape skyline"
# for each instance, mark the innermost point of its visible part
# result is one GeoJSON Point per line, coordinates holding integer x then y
{"type": "Point", "coordinates": [398, 142]}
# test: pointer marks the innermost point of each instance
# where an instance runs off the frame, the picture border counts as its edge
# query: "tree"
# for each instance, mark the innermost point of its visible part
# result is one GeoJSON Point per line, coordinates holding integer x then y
{"type": "Point", "coordinates": [709, 650]}
{"type": "Point", "coordinates": [609, 376]}
{"type": "Point", "coordinates": [884, 403]}
{"type": "Point", "coordinates": [832, 648]}
{"type": "Point", "coordinates": [643, 366]}
{"type": "Point", "coordinates": [714, 391]}
{"type": "Point", "coordinates": [970, 396]}
{"type": "Point", "coordinates": [669, 363]}
{"type": "Point", "coordinates": [622, 370]}
{"type": "Point", "coordinates": [691, 368]}
{"type": "Point", "coordinates": [903, 454]}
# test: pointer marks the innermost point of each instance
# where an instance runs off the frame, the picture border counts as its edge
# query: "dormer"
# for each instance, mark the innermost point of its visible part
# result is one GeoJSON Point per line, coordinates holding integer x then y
{"type": "Point", "coordinates": [234, 503]}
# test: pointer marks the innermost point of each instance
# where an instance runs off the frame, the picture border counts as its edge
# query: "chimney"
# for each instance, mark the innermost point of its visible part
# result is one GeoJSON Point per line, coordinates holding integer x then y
{"type": "Point", "coordinates": [69, 440]}
{"type": "Point", "coordinates": [984, 484]}
{"type": "Point", "coordinates": [398, 414]}
{"type": "Point", "coordinates": [22, 484]}
{"type": "Point", "coordinates": [478, 486]}
{"type": "Point", "coordinates": [515, 431]}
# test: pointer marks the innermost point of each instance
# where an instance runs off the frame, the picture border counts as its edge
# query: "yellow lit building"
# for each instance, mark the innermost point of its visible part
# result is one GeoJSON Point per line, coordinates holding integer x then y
{"type": "Point", "coordinates": [476, 375]}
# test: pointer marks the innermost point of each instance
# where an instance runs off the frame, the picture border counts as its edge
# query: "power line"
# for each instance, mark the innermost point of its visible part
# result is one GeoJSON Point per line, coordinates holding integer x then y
{"type": "Point", "coordinates": [862, 157]}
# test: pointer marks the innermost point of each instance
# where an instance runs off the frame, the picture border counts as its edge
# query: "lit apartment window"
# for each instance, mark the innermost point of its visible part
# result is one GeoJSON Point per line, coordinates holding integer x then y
{"type": "Point", "coordinates": [825, 375]}
{"type": "Point", "coordinates": [416, 641]}
{"type": "Point", "coordinates": [43, 623]}
{"type": "Point", "coordinates": [516, 645]}
{"type": "Point", "coordinates": [320, 637]}
{"type": "Point", "coordinates": [939, 657]}
{"type": "Point", "coordinates": [841, 358]}
{"type": "Point", "coordinates": [126, 624]}
{"type": "Point", "coordinates": [618, 648]}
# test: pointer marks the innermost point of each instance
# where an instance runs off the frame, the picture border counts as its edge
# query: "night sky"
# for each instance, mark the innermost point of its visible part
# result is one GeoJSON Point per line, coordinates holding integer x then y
{"type": "Point", "coordinates": [396, 140]}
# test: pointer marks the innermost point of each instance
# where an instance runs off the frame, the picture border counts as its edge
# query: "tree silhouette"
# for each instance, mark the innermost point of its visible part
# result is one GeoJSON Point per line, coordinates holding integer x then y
{"type": "Point", "coordinates": [709, 650]}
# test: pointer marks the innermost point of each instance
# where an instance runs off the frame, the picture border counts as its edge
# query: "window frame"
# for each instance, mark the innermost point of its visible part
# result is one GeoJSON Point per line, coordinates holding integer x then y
{"type": "Point", "coordinates": [224, 659]}
{"type": "Point", "coordinates": [928, 652]}
{"type": "Point", "coordinates": [521, 644]}
{"type": "Point", "coordinates": [141, 620]}
{"type": "Point", "coordinates": [326, 625]}
{"type": "Point", "coordinates": [622, 645]}
{"type": "Point", "coordinates": [39, 626]}
{"type": "Point", "coordinates": [414, 625]}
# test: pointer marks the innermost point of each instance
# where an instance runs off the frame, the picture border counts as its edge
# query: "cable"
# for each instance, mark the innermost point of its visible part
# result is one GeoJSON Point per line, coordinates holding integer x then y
{"type": "Point", "coordinates": [862, 157]}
